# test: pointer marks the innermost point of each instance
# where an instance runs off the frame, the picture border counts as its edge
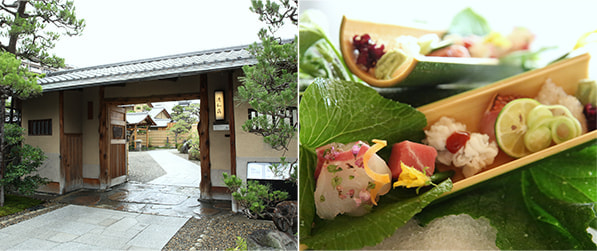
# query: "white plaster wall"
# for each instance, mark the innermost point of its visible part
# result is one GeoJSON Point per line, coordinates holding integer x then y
{"type": "Point", "coordinates": [45, 107]}
{"type": "Point", "coordinates": [73, 111]}
{"type": "Point", "coordinates": [90, 128]}
{"type": "Point", "coordinates": [219, 141]}
{"type": "Point", "coordinates": [250, 147]}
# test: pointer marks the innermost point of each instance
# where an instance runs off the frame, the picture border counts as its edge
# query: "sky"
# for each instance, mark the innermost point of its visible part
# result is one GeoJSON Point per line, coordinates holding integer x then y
{"type": "Point", "coordinates": [125, 30]}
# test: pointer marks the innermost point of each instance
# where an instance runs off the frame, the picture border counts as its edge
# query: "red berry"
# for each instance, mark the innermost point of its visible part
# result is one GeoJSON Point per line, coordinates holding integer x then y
{"type": "Point", "coordinates": [368, 51]}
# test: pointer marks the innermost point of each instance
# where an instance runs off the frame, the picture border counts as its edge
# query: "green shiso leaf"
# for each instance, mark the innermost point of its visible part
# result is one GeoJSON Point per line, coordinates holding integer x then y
{"type": "Point", "coordinates": [307, 165]}
{"type": "Point", "coordinates": [571, 177]}
{"type": "Point", "coordinates": [394, 210]}
{"type": "Point", "coordinates": [467, 22]}
{"type": "Point", "coordinates": [344, 112]}
{"type": "Point", "coordinates": [527, 208]}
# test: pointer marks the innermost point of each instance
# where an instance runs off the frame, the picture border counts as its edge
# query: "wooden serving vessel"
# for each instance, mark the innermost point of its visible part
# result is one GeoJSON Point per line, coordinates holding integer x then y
{"type": "Point", "coordinates": [469, 107]}
{"type": "Point", "coordinates": [420, 70]}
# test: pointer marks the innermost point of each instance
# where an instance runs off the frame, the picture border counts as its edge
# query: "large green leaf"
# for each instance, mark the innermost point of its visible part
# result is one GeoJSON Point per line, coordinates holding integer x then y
{"type": "Point", "coordinates": [394, 210]}
{"type": "Point", "coordinates": [571, 177]}
{"type": "Point", "coordinates": [344, 112]}
{"type": "Point", "coordinates": [467, 22]}
{"type": "Point", "coordinates": [564, 225]}
{"type": "Point", "coordinates": [307, 164]}
{"type": "Point", "coordinates": [526, 214]}
{"type": "Point", "coordinates": [341, 111]}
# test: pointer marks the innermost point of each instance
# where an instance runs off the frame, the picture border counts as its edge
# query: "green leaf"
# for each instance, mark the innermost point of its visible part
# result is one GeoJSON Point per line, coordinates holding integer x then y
{"type": "Point", "coordinates": [307, 164]}
{"type": "Point", "coordinates": [344, 112]}
{"type": "Point", "coordinates": [394, 210]}
{"type": "Point", "coordinates": [563, 224]}
{"type": "Point", "coordinates": [572, 177]}
{"type": "Point", "coordinates": [467, 22]}
{"type": "Point", "coordinates": [318, 56]}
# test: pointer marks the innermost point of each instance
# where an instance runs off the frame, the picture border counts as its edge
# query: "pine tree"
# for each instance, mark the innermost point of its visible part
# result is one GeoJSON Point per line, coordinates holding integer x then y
{"type": "Point", "coordinates": [270, 86]}
{"type": "Point", "coordinates": [17, 82]}
{"type": "Point", "coordinates": [28, 30]}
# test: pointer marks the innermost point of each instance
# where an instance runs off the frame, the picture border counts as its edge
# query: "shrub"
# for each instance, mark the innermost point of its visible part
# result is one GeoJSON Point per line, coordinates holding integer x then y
{"type": "Point", "coordinates": [193, 145]}
{"type": "Point", "coordinates": [241, 244]}
{"type": "Point", "coordinates": [22, 162]}
{"type": "Point", "coordinates": [257, 200]}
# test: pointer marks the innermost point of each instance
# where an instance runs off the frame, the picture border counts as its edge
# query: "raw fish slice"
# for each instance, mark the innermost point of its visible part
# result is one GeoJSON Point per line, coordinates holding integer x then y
{"type": "Point", "coordinates": [343, 186]}
{"type": "Point", "coordinates": [419, 156]}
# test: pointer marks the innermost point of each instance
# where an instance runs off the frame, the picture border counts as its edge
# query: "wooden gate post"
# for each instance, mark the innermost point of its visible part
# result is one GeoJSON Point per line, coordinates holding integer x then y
{"type": "Point", "coordinates": [203, 130]}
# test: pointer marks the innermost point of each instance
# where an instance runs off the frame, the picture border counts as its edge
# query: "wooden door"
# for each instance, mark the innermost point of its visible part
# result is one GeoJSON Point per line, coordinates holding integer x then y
{"type": "Point", "coordinates": [72, 161]}
{"type": "Point", "coordinates": [117, 138]}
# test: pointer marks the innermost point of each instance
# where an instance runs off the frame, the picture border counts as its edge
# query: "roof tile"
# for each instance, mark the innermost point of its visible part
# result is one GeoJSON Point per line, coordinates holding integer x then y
{"type": "Point", "coordinates": [152, 68]}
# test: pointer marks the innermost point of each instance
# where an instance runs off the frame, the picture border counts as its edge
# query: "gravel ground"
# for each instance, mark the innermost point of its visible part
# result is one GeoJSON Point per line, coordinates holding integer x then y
{"type": "Point", "coordinates": [217, 232]}
{"type": "Point", "coordinates": [143, 168]}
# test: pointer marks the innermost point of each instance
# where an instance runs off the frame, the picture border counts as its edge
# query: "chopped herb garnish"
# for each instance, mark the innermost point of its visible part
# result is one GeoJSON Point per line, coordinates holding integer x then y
{"type": "Point", "coordinates": [336, 181]}
{"type": "Point", "coordinates": [334, 169]}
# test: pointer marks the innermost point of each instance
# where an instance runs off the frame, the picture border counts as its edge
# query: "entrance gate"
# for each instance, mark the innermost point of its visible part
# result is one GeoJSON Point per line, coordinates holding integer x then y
{"type": "Point", "coordinates": [118, 156]}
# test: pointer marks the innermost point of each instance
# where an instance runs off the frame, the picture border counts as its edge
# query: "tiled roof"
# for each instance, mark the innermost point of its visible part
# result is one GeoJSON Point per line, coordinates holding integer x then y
{"type": "Point", "coordinates": [149, 69]}
{"type": "Point", "coordinates": [161, 122]}
{"type": "Point", "coordinates": [157, 110]}
{"type": "Point", "coordinates": [139, 118]}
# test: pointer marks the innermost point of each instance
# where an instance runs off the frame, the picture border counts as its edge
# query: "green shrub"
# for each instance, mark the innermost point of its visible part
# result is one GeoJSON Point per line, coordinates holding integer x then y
{"type": "Point", "coordinates": [241, 244]}
{"type": "Point", "coordinates": [21, 163]}
{"type": "Point", "coordinates": [257, 200]}
{"type": "Point", "coordinates": [194, 152]}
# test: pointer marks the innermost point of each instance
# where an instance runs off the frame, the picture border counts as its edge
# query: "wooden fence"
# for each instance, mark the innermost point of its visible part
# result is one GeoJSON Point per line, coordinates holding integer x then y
{"type": "Point", "coordinates": [161, 138]}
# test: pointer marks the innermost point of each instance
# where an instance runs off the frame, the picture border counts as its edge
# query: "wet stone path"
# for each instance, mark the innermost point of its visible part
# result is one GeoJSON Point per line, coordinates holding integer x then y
{"type": "Point", "coordinates": [133, 207]}
{"type": "Point", "coordinates": [166, 200]}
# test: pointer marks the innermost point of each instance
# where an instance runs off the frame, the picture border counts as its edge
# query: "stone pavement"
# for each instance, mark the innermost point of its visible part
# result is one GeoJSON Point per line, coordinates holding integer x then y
{"type": "Point", "coordinates": [179, 171]}
{"type": "Point", "coordinates": [133, 215]}
{"type": "Point", "coordinates": [175, 193]}
{"type": "Point", "coordinates": [167, 200]}
{"type": "Point", "coordinates": [86, 228]}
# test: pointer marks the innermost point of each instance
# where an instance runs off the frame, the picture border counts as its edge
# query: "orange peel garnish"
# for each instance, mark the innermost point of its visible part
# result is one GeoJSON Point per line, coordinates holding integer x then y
{"type": "Point", "coordinates": [379, 179]}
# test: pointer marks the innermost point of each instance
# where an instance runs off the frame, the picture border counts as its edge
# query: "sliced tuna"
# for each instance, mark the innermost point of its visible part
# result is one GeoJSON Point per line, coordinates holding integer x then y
{"type": "Point", "coordinates": [420, 156]}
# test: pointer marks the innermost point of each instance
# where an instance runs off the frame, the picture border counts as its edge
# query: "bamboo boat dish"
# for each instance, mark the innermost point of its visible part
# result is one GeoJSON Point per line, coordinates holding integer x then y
{"type": "Point", "coordinates": [419, 70]}
{"type": "Point", "coordinates": [469, 107]}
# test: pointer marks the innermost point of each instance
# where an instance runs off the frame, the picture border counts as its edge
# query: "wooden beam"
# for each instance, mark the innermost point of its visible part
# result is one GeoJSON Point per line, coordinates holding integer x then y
{"type": "Point", "coordinates": [155, 98]}
{"type": "Point", "coordinates": [62, 143]}
{"type": "Point", "coordinates": [203, 130]}
{"type": "Point", "coordinates": [104, 141]}
{"type": "Point", "coordinates": [230, 112]}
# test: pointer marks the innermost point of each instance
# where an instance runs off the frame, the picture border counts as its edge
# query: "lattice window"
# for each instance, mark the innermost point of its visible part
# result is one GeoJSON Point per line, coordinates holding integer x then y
{"type": "Point", "coordinates": [290, 112]}
{"type": "Point", "coordinates": [40, 127]}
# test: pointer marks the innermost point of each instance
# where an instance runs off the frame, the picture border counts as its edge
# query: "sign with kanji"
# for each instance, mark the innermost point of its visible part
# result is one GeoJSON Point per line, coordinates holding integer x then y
{"type": "Point", "coordinates": [219, 104]}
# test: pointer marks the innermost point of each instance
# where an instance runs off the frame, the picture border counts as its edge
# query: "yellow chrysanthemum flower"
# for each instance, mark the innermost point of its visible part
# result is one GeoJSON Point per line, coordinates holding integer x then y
{"type": "Point", "coordinates": [411, 177]}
